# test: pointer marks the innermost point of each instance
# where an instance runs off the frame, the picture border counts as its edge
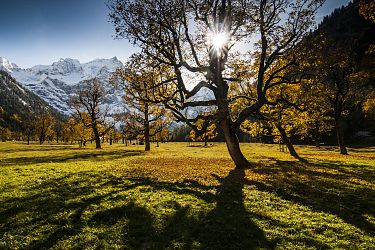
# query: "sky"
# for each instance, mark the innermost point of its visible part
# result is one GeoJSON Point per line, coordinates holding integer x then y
{"type": "Point", "coordinates": [43, 31]}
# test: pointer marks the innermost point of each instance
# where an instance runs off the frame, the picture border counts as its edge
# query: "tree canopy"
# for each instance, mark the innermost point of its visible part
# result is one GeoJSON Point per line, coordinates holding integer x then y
{"type": "Point", "coordinates": [199, 41]}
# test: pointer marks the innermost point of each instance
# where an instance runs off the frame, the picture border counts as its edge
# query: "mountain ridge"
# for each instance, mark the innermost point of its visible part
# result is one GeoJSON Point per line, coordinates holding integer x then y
{"type": "Point", "coordinates": [17, 100]}
{"type": "Point", "coordinates": [55, 83]}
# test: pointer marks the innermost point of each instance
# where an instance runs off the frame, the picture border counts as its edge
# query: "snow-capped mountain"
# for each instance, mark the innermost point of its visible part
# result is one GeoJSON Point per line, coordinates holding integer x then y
{"type": "Point", "coordinates": [55, 83]}
{"type": "Point", "coordinates": [16, 100]}
{"type": "Point", "coordinates": [6, 65]}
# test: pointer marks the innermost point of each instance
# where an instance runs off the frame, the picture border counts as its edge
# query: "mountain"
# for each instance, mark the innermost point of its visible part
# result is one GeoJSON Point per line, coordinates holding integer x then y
{"type": "Point", "coordinates": [15, 99]}
{"type": "Point", "coordinates": [57, 82]}
{"type": "Point", "coordinates": [6, 65]}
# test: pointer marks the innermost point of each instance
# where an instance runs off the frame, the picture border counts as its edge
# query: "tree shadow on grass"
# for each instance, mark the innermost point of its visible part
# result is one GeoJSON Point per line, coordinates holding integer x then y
{"type": "Point", "coordinates": [57, 210]}
{"type": "Point", "coordinates": [79, 155]}
{"type": "Point", "coordinates": [36, 148]}
{"type": "Point", "coordinates": [229, 225]}
{"type": "Point", "coordinates": [327, 187]}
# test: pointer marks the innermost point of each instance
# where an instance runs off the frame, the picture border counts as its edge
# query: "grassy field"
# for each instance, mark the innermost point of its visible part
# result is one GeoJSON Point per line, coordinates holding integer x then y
{"type": "Point", "coordinates": [180, 197]}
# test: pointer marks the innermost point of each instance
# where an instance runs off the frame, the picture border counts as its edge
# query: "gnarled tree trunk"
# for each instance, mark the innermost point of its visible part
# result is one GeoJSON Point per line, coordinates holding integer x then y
{"type": "Point", "coordinates": [233, 145]}
{"type": "Point", "coordinates": [287, 142]}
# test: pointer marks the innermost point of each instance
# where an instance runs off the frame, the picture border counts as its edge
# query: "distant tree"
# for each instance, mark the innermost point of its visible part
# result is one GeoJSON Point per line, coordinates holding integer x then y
{"type": "Point", "coordinates": [196, 40]}
{"type": "Point", "coordinates": [343, 85]}
{"type": "Point", "coordinates": [58, 130]}
{"type": "Point", "coordinates": [29, 126]}
{"type": "Point", "coordinates": [367, 9]}
{"type": "Point", "coordinates": [44, 126]}
{"type": "Point", "coordinates": [5, 134]}
{"type": "Point", "coordinates": [74, 130]}
{"type": "Point", "coordinates": [128, 128]}
{"type": "Point", "coordinates": [2, 114]}
{"type": "Point", "coordinates": [180, 132]}
{"type": "Point", "coordinates": [113, 135]}
{"type": "Point", "coordinates": [88, 104]}
{"type": "Point", "coordinates": [209, 133]}
{"type": "Point", "coordinates": [144, 114]}
{"type": "Point", "coordinates": [256, 129]}
{"type": "Point", "coordinates": [369, 106]}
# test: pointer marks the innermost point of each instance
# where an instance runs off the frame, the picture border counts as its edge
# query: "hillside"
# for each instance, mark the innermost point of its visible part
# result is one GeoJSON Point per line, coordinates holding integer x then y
{"type": "Point", "coordinates": [55, 83]}
{"type": "Point", "coordinates": [346, 28]}
{"type": "Point", "coordinates": [349, 35]}
{"type": "Point", "coordinates": [16, 100]}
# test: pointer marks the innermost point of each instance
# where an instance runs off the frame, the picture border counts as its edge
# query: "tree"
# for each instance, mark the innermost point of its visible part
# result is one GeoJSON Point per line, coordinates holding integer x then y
{"type": "Point", "coordinates": [58, 130]}
{"type": "Point", "coordinates": [209, 133]}
{"type": "Point", "coordinates": [75, 130]}
{"type": "Point", "coordinates": [367, 9]}
{"type": "Point", "coordinates": [5, 134]}
{"type": "Point", "coordinates": [29, 126]}
{"type": "Point", "coordinates": [342, 83]}
{"type": "Point", "coordinates": [145, 116]}
{"type": "Point", "coordinates": [369, 106]}
{"type": "Point", "coordinates": [256, 129]}
{"type": "Point", "coordinates": [88, 106]}
{"type": "Point", "coordinates": [44, 126]}
{"type": "Point", "coordinates": [197, 39]}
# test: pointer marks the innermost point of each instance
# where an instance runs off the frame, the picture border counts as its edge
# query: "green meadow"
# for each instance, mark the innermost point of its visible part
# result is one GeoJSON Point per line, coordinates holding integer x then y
{"type": "Point", "coordinates": [181, 196]}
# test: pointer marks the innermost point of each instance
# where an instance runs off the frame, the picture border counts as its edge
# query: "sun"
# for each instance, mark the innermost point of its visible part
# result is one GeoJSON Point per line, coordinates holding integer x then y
{"type": "Point", "coordinates": [218, 40]}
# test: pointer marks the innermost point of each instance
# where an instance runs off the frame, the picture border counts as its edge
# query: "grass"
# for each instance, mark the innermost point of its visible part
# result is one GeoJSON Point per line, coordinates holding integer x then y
{"type": "Point", "coordinates": [180, 197]}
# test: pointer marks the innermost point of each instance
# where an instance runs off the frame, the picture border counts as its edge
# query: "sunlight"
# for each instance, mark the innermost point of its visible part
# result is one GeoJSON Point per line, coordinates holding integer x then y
{"type": "Point", "coordinates": [218, 40]}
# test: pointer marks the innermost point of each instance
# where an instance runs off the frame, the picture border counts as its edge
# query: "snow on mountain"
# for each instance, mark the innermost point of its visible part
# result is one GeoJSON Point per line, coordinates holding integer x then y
{"type": "Point", "coordinates": [15, 99]}
{"type": "Point", "coordinates": [55, 83]}
{"type": "Point", "coordinates": [7, 66]}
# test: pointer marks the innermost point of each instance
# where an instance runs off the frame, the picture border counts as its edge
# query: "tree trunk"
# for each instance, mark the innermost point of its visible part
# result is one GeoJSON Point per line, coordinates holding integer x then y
{"type": "Point", "coordinates": [233, 145]}
{"type": "Point", "coordinates": [28, 138]}
{"type": "Point", "coordinates": [147, 131]}
{"type": "Point", "coordinates": [97, 137]}
{"type": "Point", "coordinates": [41, 140]}
{"type": "Point", "coordinates": [147, 138]}
{"type": "Point", "coordinates": [287, 141]}
{"type": "Point", "coordinates": [340, 137]}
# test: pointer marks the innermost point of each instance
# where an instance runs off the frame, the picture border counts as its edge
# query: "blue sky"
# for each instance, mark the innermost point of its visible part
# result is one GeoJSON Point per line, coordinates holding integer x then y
{"type": "Point", "coordinates": [43, 31]}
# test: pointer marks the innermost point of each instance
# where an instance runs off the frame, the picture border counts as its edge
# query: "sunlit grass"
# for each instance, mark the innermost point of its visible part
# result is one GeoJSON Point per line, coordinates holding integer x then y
{"type": "Point", "coordinates": [180, 197]}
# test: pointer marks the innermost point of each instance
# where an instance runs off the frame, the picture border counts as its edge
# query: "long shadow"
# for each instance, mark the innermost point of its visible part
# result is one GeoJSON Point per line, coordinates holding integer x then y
{"type": "Point", "coordinates": [229, 225]}
{"type": "Point", "coordinates": [58, 206]}
{"type": "Point", "coordinates": [80, 155]}
{"type": "Point", "coordinates": [137, 230]}
{"type": "Point", "coordinates": [37, 148]}
{"type": "Point", "coordinates": [324, 187]}
{"type": "Point", "coordinates": [47, 202]}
